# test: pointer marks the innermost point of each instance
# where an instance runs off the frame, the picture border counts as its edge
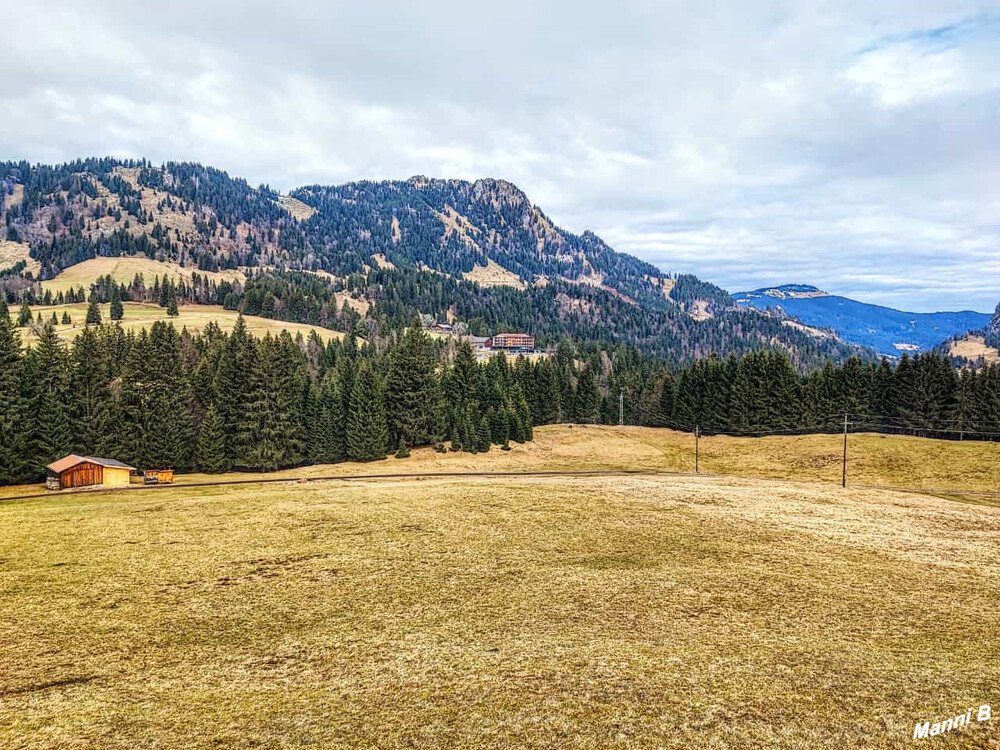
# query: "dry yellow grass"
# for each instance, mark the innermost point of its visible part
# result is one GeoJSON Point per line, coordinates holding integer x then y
{"type": "Point", "coordinates": [194, 317]}
{"type": "Point", "coordinates": [493, 274]}
{"type": "Point", "coordinates": [123, 271]}
{"type": "Point", "coordinates": [299, 210]}
{"type": "Point", "coordinates": [14, 199]}
{"type": "Point", "coordinates": [974, 347]}
{"type": "Point", "coordinates": [382, 262]}
{"type": "Point", "coordinates": [12, 253]}
{"type": "Point", "coordinates": [816, 332]}
{"type": "Point", "coordinates": [469, 613]}
{"type": "Point", "coordinates": [698, 309]}
{"type": "Point", "coordinates": [887, 461]}
{"type": "Point", "coordinates": [897, 461]}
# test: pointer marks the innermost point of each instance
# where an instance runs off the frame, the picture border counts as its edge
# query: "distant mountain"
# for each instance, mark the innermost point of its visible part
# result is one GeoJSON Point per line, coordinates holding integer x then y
{"type": "Point", "coordinates": [888, 331]}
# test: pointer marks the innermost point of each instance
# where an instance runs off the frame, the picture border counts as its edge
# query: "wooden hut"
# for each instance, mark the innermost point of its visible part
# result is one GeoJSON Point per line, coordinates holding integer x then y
{"type": "Point", "coordinates": [87, 471]}
{"type": "Point", "coordinates": [158, 476]}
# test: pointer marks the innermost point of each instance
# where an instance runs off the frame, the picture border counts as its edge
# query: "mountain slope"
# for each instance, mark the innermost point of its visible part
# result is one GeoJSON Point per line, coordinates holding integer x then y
{"type": "Point", "coordinates": [399, 246]}
{"type": "Point", "coordinates": [888, 331]}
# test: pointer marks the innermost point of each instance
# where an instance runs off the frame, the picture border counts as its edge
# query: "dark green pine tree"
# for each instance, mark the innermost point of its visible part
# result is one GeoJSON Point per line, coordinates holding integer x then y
{"type": "Point", "coordinates": [12, 407]}
{"type": "Point", "coordinates": [483, 441]}
{"type": "Point", "coordinates": [499, 428]}
{"type": "Point", "coordinates": [211, 453]}
{"type": "Point", "coordinates": [367, 431]}
{"type": "Point", "coordinates": [117, 308]}
{"type": "Point", "coordinates": [411, 390]}
{"type": "Point", "coordinates": [522, 416]}
{"type": "Point", "coordinates": [587, 398]}
{"type": "Point", "coordinates": [171, 301]}
{"type": "Point", "coordinates": [90, 393]}
{"type": "Point", "coordinates": [467, 428]}
{"type": "Point", "coordinates": [312, 424]}
{"type": "Point", "coordinates": [668, 395]}
{"type": "Point", "coordinates": [331, 419]}
{"type": "Point", "coordinates": [346, 369]}
{"type": "Point", "coordinates": [546, 406]}
{"type": "Point", "coordinates": [24, 316]}
{"type": "Point", "coordinates": [131, 416]}
{"type": "Point", "coordinates": [51, 436]}
{"type": "Point", "coordinates": [465, 374]}
{"type": "Point", "coordinates": [93, 311]}
{"type": "Point", "coordinates": [230, 385]}
{"type": "Point", "coordinates": [168, 442]}
{"type": "Point", "coordinates": [268, 424]}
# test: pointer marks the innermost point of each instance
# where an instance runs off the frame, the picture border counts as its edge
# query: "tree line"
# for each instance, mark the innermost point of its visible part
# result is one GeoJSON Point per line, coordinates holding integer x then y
{"type": "Point", "coordinates": [219, 401]}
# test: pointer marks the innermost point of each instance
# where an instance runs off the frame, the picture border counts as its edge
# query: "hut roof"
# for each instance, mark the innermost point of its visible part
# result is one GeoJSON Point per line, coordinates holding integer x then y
{"type": "Point", "coordinates": [58, 467]}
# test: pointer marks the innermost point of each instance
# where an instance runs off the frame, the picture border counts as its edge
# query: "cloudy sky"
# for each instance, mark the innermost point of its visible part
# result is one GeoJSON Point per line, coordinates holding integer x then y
{"type": "Point", "coordinates": [854, 145]}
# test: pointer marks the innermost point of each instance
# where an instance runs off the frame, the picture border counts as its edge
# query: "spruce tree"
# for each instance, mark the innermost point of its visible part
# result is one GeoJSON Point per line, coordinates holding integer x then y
{"type": "Point", "coordinates": [51, 433]}
{"type": "Point", "coordinates": [168, 442]}
{"type": "Point", "coordinates": [483, 441]}
{"type": "Point", "coordinates": [90, 394]}
{"type": "Point", "coordinates": [587, 399]}
{"type": "Point", "coordinates": [367, 431]}
{"type": "Point", "coordinates": [24, 316]}
{"type": "Point", "coordinates": [230, 384]}
{"type": "Point", "coordinates": [117, 308]}
{"type": "Point", "coordinates": [93, 311]}
{"type": "Point", "coordinates": [12, 407]}
{"type": "Point", "coordinates": [171, 301]}
{"type": "Point", "coordinates": [268, 423]}
{"type": "Point", "coordinates": [411, 390]}
{"type": "Point", "coordinates": [211, 454]}
{"type": "Point", "coordinates": [329, 428]}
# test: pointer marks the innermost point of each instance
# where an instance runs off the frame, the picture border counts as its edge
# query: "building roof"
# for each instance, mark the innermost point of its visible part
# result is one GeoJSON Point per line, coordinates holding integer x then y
{"type": "Point", "coordinates": [58, 467]}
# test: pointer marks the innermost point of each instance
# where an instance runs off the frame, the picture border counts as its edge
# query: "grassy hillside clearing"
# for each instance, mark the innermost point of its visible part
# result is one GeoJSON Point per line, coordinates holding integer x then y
{"type": "Point", "coordinates": [11, 253]}
{"type": "Point", "coordinates": [974, 348]}
{"type": "Point", "coordinates": [124, 269]}
{"type": "Point", "coordinates": [194, 317]}
{"type": "Point", "coordinates": [299, 210]}
{"type": "Point", "coordinates": [541, 613]}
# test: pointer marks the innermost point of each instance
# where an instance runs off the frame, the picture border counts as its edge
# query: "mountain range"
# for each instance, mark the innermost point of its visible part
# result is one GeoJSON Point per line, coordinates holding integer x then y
{"type": "Point", "coordinates": [888, 331]}
{"type": "Point", "coordinates": [478, 252]}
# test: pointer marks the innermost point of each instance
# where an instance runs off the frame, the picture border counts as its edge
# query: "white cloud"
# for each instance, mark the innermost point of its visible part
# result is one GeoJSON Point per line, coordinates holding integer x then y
{"type": "Point", "coordinates": [906, 74]}
{"type": "Point", "coordinates": [851, 144]}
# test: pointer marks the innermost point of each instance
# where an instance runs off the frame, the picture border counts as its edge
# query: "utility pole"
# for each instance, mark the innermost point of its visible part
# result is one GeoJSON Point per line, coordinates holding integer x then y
{"type": "Point", "coordinates": [621, 408]}
{"type": "Point", "coordinates": [696, 435]}
{"type": "Point", "coordinates": [843, 481]}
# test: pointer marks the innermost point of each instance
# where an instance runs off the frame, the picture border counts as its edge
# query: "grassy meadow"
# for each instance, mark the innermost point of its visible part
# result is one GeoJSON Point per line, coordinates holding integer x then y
{"type": "Point", "coordinates": [123, 269]}
{"type": "Point", "coordinates": [194, 317]}
{"type": "Point", "coordinates": [584, 612]}
{"type": "Point", "coordinates": [884, 460]}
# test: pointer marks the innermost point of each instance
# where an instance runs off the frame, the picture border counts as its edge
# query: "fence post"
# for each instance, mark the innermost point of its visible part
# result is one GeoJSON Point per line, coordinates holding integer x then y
{"type": "Point", "coordinates": [843, 481]}
{"type": "Point", "coordinates": [696, 435]}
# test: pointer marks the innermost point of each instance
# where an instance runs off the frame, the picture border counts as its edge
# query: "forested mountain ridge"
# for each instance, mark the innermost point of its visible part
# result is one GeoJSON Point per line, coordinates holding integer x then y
{"type": "Point", "coordinates": [479, 252]}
